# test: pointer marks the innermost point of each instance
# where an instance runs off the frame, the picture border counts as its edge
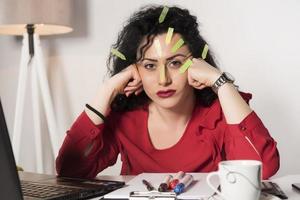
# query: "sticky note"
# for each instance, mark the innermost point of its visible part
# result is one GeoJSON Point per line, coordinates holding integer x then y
{"type": "Point", "coordinates": [118, 54]}
{"type": "Point", "coordinates": [178, 44]}
{"type": "Point", "coordinates": [162, 73]}
{"type": "Point", "coordinates": [163, 14]}
{"type": "Point", "coordinates": [169, 35]}
{"type": "Point", "coordinates": [204, 52]}
{"type": "Point", "coordinates": [157, 47]}
{"type": "Point", "coordinates": [185, 66]}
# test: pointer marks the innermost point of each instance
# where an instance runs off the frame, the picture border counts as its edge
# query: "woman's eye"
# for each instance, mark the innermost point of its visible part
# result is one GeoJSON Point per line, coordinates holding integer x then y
{"type": "Point", "coordinates": [175, 63]}
{"type": "Point", "coordinates": [149, 66]}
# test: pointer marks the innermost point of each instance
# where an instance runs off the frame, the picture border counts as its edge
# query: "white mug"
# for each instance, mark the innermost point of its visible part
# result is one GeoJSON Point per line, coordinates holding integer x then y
{"type": "Point", "coordinates": [239, 179]}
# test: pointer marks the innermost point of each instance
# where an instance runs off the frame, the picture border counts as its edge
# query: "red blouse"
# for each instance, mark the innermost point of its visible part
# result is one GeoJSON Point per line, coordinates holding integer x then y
{"type": "Point", "coordinates": [207, 140]}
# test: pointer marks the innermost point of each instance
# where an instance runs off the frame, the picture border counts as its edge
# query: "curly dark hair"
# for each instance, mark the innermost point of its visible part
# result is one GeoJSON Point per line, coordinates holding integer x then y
{"type": "Point", "coordinates": [145, 24]}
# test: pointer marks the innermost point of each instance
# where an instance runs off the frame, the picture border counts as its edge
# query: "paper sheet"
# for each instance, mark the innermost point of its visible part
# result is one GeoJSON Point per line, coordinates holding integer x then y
{"type": "Point", "coordinates": [197, 190]}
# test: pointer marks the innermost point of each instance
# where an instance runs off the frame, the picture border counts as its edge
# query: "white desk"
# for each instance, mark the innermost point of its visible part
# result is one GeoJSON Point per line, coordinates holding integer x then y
{"type": "Point", "coordinates": [285, 183]}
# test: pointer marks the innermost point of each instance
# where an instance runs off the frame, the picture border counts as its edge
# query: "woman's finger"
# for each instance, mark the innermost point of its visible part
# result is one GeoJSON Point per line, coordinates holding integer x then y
{"type": "Point", "coordinates": [202, 86]}
{"type": "Point", "coordinates": [138, 91]}
{"type": "Point", "coordinates": [133, 84]}
{"type": "Point", "coordinates": [127, 88]}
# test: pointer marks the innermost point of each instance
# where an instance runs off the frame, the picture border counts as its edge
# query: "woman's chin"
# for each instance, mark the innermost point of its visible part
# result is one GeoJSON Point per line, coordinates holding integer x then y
{"type": "Point", "coordinates": [167, 103]}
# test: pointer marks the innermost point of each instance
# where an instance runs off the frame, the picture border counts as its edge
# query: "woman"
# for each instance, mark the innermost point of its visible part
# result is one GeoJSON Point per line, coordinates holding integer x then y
{"type": "Point", "coordinates": [160, 118]}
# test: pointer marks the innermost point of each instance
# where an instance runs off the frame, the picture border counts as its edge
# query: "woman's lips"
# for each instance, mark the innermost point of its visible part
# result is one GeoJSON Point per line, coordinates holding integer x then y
{"type": "Point", "coordinates": [165, 93]}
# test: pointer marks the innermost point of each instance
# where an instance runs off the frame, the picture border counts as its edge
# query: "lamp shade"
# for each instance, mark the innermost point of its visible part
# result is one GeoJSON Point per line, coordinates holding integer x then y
{"type": "Point", "coordinates": [48, 16]}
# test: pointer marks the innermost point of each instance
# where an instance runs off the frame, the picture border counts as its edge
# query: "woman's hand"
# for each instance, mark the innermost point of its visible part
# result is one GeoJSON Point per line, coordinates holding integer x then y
{"type": "Point", "coordinates": [128, 81]}
{"type": "Point", "coordinates": [201, 74]}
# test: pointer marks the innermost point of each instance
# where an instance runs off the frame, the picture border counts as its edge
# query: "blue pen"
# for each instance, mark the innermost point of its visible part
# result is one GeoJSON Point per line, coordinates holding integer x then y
{"type": "Point", "coordinates": [184, 183]}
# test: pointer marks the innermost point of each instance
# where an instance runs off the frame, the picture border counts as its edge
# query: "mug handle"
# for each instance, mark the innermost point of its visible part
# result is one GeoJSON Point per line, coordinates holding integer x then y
{"type": "Point", "coordinates": [208, 177]}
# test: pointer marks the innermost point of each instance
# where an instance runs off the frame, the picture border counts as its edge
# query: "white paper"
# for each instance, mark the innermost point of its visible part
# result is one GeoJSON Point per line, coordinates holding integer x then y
{"type": "Point", "coordinates": [197, 190]}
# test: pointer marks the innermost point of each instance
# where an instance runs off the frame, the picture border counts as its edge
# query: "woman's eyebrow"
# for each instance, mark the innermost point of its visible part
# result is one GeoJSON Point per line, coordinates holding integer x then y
{"type": "Point", "coordinates": [179, 54]}
{"type": "Point", "coordinates": [170, 58]}
{"type": "Point", "coordinates": [149, 59]}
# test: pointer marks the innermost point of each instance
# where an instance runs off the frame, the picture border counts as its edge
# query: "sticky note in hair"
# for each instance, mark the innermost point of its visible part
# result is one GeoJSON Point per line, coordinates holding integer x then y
{"type": "Point", "coordinates": [204, 52]}
{"type": "Point", "coordinates": [157, 47]}
{"type": "Point", "coordinates": [178, 44]}
{"type": "Point", "coordinates": [185, 66]}
{"type": "Point", "coordinates": [169, 35]}
{"type": "Point", "coordinates": [118, 54]}
{"type": "Point", "coordinates": [163, 15]}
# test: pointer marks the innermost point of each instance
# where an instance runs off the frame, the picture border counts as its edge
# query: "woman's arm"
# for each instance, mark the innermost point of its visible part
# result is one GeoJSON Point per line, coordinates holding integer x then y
{"type": "Point", "coordinates": [245, 135]}
{"type": "Point", "coordinates": [90, 145]}
{"type": "Point", "coordinates": [233, 105]}
{"type": "Point", "coordinates": [87, 149]}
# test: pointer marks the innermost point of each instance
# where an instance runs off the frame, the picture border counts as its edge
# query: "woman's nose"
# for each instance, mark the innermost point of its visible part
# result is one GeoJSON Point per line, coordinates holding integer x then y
{"type": "Point", "coordinates": [164, 77]}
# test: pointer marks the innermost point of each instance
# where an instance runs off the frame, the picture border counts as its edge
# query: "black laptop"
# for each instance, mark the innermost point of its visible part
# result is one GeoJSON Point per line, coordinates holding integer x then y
{"type": "Point", "coordinates": [42, 186]}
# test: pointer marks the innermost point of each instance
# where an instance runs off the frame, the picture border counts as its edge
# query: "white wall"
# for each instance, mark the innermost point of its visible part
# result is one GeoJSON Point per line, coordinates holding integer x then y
{"type": "Point", "coordinates": [257, 41]}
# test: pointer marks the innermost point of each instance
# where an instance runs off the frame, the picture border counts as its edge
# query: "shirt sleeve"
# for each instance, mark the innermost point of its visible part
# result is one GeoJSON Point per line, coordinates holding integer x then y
{"type": "Point", "coordinates": [251, 140]}
{"type": "Point", "coordinates": [87, 149]}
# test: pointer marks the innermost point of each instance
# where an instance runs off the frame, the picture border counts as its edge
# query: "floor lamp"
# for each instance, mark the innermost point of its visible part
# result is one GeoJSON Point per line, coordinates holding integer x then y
{"type": "Point", "coordinates": [34, 18]}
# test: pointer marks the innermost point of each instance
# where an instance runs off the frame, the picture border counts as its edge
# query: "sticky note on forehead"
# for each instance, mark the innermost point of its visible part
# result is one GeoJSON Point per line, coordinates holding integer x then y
{"type": "Point", "coordinates": [204, 52]}
{"type": "Point", "coordinates": [185, 66]}
{"type": "Point", "coordinates": [178, 44]}
{"type": "Point", "coordinates": [157, 47]}
{"type": "Point", "coordinates": [162, 73]}
{"type": "Point", "coordinates": [163, 14]}
{"type": "Point", "coordinates": [118, 54]}
{"type": "Point", "coordinates": [169, 35]}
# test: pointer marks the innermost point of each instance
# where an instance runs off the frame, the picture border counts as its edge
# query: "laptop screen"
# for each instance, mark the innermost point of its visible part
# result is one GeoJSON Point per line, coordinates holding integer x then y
{"type": "Point", "coordinates": [9, 182]}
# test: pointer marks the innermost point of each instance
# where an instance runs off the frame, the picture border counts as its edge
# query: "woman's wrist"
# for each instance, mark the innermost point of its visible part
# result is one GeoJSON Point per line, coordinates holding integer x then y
{"type": "Point", "coordinates": [215, 77]}
{"type": "Point", "coordinates": [101, 103]}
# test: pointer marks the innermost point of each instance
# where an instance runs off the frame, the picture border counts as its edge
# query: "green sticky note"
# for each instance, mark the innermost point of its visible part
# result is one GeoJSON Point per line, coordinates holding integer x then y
{"type": "Point", "coordinates": [178, 44]}
{"type": "Point", "coordinates": [118, 54]}
{"type": "Point", "coordinates": [157, 47]}
{"type": "Point", "coordinates": [185, 66]}
{"type": "Point", "coordinates": [204, 52]}
{"type": "Point", "coordinates": [163, 14]}
{"type": "Point", "coordinates": [169, 35]}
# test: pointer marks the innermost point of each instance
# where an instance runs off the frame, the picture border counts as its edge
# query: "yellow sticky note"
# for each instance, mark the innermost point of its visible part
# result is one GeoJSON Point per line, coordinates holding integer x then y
{"type": "Point", "coordinates": [169, 35]}
{"type": "Point", "coordinates": [118, 54]}
{"type": "Point", "coordinates": [163, 14]}
{"type": "Point", "coordinates": [204, 52]}
{"type": "Point", "coordinates": [157, 47]}
{"type": "Point", "coordinates": [178, 44]}
{"type": "Point", "coordinates": [162, 74]}
{"type": "Point", "coordinates": [185, 66]}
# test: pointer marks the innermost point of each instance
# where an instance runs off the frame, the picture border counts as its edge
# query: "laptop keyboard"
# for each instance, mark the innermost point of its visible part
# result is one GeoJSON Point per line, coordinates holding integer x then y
{"type": "Point", "coordinates": [38, 190]}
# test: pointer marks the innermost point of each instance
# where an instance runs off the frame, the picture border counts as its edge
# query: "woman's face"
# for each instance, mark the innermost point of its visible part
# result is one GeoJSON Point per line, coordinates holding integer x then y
{"type": "Point", "coordinates": [159, 71]}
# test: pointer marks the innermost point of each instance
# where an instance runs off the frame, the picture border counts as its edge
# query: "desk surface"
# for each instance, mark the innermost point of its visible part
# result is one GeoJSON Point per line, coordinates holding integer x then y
{"type": "Point", "coordinates": [284, 182]}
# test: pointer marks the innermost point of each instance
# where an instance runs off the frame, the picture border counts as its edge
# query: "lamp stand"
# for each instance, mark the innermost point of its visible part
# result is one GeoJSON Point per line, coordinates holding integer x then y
{"type": "Point", "coordinates": [40, 87]}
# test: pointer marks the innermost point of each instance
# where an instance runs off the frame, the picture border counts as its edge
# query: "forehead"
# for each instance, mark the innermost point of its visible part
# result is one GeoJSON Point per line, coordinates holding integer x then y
{"type": "Point", "coordinates": [165, 48]}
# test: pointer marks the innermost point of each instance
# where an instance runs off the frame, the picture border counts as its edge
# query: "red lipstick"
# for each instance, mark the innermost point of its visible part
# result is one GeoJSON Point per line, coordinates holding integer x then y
{"type": "Point", "coordinates": [165, 93]}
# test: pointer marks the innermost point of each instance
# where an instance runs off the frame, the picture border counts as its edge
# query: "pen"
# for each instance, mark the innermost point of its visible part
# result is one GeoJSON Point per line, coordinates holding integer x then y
{"type": "Point", "coordinates": [148, 185]}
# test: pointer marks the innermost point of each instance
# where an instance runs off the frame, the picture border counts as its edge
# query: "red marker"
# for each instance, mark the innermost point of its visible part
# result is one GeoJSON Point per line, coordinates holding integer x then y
{"type": "Point", "coordinates": [175, 181]}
